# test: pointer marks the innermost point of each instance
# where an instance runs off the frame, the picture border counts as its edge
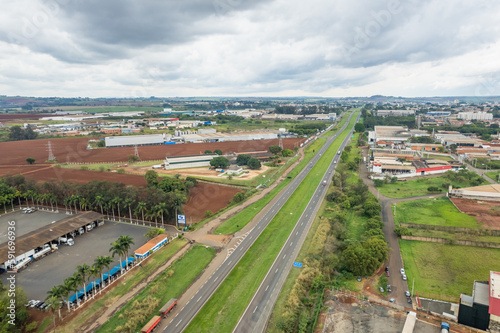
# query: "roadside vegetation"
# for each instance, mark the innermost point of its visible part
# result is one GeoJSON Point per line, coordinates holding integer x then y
{"type": "Point", "coordinates": [222, 311]}
{"type": "Point", "coordinates": [169, 284]}
{"type": "Point", "coordinates": [443, 271]}
{"type": "Point", "coordinates": [128, 283]}
{"type": "Point", "coordinates": [345, 240]}
{"type": "Point", "coordinates": [394, 188]}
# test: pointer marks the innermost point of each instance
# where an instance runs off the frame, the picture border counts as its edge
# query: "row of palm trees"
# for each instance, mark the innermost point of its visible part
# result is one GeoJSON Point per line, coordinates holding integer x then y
{"type": "Point", "coordinates": [75, 203]}
{"type": "Point", "coordinates": [85, 273]}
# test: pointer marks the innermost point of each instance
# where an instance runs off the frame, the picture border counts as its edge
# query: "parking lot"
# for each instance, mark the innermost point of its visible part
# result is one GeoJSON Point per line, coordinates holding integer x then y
{"type": "Point", "coordinates": [40, 276]}
{"type": "Point", "coordinates": [26, 223]}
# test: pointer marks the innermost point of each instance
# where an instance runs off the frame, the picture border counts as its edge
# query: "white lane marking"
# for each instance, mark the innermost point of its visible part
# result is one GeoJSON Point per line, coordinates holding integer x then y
{"type": "Point", "coordinates": [178, 323]}
{"type": "Point", "coordinates": [267, 288]}
{"type": "Point", "coordinates": [198, 299]}
{"type": "Point", "coordinates": [276, 271]}
{"type": "Point", "coordinates": [291, 243]}
{"type": "Point", "coordinates": [284, 256]}
{"type": "Point", "coordinates": [255, 309]}
{"type": "Point", "coordinates": [216, 279]}
{"type": "Point", "coordinates": [296, 233]}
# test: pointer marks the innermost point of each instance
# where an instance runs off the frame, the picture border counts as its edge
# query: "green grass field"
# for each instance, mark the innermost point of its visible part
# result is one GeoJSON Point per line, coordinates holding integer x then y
{"type": "Point", "coordinates": [160, 257]}
{"type": "Point", "coordinates": [444, 271]}
{"type": "Point", "coordinates": [416, 187]}
{"type": "Point", "coordinates": [494, 175]}
{"type": "Point", "coordinates": [169, 284]}
{"type": "Point", "coordinates": [437, 211]}
{"type": "Point", "coordinates": [221, 312]}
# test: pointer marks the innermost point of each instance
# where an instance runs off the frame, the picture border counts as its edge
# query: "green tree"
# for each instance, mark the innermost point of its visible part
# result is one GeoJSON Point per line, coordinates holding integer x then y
{"type": "Point", "coordinates": [126, 242]}
{"type": "Point", "coordinates": [117, 249]}
{"type": "Point", "coordinates": [153, 232]}
{"type": "Point", "coordinates": [371, 208]}
{"type": "Point", "coordinates": [21, 314]}
{"type": "Point", "coordinates": [218, 151]}
{"type": "Point", "coordinates": [141, 208]}
{"type": "Point", "coordinates": [359, 127]}
{"type": "Point", "coordinates": [254, 163]}
{"type": "Point", "coordinates": [30, 160]}
{"type": "Point", "coordinates": [275, 149]}
{"type": "Point", "coordinates": [133, 158]}
{"type": "Point", "coordinates": [242, 159]}
{"type": "Point", "coordinates": [220, 162]}
{"type": "Point", "coordinates": [287, 152]}
{"type": "Point", "coordinates": [239, 197]}
{"type": "Point", "coordinates": [84, 271]}
{"type": "Point", "coordinates": [151, 178]}
{"type": "Point", "coordinates": [208, 152]}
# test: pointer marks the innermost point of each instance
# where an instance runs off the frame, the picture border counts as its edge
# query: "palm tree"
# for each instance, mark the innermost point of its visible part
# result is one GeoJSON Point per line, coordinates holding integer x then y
{"type": "Point", "coordinates": [54, 305]}
{"type": "Point", "coordinates": [177, 201]}
{"type": "Point", "coordinates": [117, 248]}
{"type": "Point", "coordinates": [141, 207]}
{"type": "Point", "coordinates": [93, 274]}
{"type": "Point", "coordinates": [52, 199]}
{"type": "Point", "coordinates": [99, 266]}
{"type": "Point", "coordinates": [76, 280]}
{"type": "Point", "coordinates": [117, 201]}
{"type": "Point", "coordinates": [161, 209]}
{"type": "Point", "coordinates": [125, 242]}
{"type": "Point", "coordinates": [84, 203]}
{"type": "Point", "coordinates": [30, 194]}
{"type": "Point", "coordinates": [75, 199]}
{"type": "Point", "coordinates": [18, 195]}
{"type": "Point", "coordinates": [84, 271]}
{"type": "Point", "coordinates": [11, 198]}
{"type": "Point", "coordinates": [99, 200]}
{"type": "Point", "coordinates": [66, 290]}
{"type": "Point", "coordinates": [3, 201]}
{"type": "Point", "coordinates": [128, 204]}
{"type": "Point", "coordinates": [55, 295]}
{"type": "Point", "coordinates": [67, 203]}
{"type": "Point", "coordinates": [107, 262]}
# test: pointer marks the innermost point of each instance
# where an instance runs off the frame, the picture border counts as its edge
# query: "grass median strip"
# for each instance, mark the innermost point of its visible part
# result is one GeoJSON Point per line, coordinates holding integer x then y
{"type": "Point", "coordinates": [171, 283]}
{"type": "Point", "coordinates": [222, 311]}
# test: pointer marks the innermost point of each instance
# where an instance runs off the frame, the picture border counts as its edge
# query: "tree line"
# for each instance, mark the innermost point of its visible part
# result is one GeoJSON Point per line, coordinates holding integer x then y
{"type": "Point", "coordinates": [159, 201]}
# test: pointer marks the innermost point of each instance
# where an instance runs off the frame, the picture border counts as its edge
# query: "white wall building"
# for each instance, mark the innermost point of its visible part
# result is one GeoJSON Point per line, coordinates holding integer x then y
{"type": "Point", "coordinates": [475, 116]}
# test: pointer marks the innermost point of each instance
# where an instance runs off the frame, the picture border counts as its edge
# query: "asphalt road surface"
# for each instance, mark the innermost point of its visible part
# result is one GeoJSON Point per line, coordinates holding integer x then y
{"type": "Point", "coordinates": [186, 314]}
{"type": "Point", "coordinates": [257, 313]}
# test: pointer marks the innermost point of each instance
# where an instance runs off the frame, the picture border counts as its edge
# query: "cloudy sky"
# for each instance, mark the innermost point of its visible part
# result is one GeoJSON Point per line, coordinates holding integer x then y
{"type": "Point", "coordinates": [331, 48]}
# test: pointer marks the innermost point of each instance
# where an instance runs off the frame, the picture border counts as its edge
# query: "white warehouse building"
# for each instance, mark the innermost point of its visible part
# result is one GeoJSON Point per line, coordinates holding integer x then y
{"type": "Point", "coordinates": [475, 116]}
{"type": "Point", "coordinates": [135, 140]}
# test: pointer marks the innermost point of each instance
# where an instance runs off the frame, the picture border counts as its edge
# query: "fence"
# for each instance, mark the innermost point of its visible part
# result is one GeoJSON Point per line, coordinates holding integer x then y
{"type": "Point", "coordinates": [453, 242]}
{"type": "Point", "coordinates": [488, 232]}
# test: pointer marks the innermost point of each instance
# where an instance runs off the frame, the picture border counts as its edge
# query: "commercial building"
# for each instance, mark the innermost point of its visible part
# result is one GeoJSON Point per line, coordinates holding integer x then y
{"type": "Point", "coordinates": [473, 310]}
{"type": "Point", "coordinates": [395, 113]}
{"type": "Point", "coordinates": [152, 246]}
{"type": "Point", "coordinates": [191, 161]}
{"type": "Point", "coordinates": [484, 116]}
{"type": "Point", "coordinates": [135, 140]}
{"type": "Point", "coordinates": [234, 136]}
{"type": "Point", "coordinates": [483, 192]}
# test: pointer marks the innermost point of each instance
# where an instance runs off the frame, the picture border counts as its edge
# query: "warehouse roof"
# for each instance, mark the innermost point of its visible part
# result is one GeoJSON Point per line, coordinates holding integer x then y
{"type": "Point", "coordinates": [492, 188]}
{"type": "Point", "coordinates": [48, 233]}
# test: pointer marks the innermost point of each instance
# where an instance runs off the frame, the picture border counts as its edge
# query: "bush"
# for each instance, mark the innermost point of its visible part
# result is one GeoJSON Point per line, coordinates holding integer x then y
{"type": "Point", "coordinates": [433, 189]}
{"type": "Point", "coordinates": [120, 171]}
{"type": "Point", "coordinates": [209, 213]}
{"type": "Point", "coordinates": [239, 197]}
{"type": "Point", "coordinates": [254, 163]}
{"type": "Point", "coordinates": [378, 182]}
{"type": "Point", "coordinates": [402, 231]}
{"type": "Point", "coordinates": [84, 167]}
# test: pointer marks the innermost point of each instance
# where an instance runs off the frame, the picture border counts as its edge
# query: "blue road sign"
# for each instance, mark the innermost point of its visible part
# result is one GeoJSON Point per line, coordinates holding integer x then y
{"type": "Point", "coordinates": [181, 219]}
{"type": "Point", "coordinates": [297, 264]}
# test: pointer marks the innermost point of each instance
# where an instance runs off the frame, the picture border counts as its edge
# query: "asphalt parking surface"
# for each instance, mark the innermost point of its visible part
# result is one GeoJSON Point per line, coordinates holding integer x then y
{"type": "Point", "coordinates": [41, 275]}
{"type": "Point", "coordinates": [26, 223]}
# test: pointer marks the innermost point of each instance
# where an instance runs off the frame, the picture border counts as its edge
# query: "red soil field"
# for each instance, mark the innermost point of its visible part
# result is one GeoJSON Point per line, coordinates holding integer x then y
{"type": "Point", "coordinates": [485, 212]}
{"type": "Point", "coordinates": [11, 116]}
{"type": "Point", "coordinates": [74, 150]}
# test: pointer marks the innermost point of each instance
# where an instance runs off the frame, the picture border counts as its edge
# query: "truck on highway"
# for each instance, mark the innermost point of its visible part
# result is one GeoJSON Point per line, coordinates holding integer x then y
{"type": "Point", "coordinates": [151, 325]}
{"type": "Point", "coordinates": [168, 307]}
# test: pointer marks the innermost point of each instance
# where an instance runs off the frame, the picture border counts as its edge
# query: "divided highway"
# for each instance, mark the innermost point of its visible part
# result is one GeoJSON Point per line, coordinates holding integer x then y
{"type": "Point", "coordinates": [189, 311]}
{"type": "Point", "coordinates": [257, 313]}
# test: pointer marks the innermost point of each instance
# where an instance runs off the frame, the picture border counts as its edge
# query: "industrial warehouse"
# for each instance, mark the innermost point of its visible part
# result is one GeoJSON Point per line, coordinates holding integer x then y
{"type": "Point", "coordinates": [199, 136]}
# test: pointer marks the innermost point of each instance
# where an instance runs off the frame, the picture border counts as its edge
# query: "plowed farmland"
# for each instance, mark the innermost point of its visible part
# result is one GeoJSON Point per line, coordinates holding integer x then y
{"type": "Point", "coordinates": [74, 150]}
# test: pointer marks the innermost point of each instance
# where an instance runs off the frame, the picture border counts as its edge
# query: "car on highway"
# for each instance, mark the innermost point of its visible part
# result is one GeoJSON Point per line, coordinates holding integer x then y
{"type": "Point", "coordinates": [407, 293]}
{"type": "Point", "coordinates": [404, 277]}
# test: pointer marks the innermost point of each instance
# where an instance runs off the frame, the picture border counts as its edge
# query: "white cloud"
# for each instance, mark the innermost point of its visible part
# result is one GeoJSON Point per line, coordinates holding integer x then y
{"type": "Point", "coordinates": [275, 48]}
